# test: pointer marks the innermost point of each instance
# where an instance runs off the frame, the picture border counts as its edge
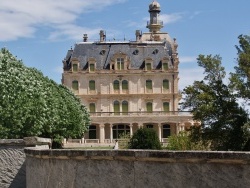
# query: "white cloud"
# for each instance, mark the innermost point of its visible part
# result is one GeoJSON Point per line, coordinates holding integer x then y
{"type": "Point", "coordinates": [58, 69]}
{"type": "Point", "coordinates": [23, 18]}
{"type": "Point", "coordinates": [187, 59]}
{"type": "Point", "coordinates": [171, 18]}
{"type": "Point", "coordinates": [189, 75]}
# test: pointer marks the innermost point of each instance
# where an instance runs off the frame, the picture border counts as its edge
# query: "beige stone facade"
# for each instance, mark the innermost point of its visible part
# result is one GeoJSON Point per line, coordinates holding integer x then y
{"type": "Point", "coordinates": [129, 84]}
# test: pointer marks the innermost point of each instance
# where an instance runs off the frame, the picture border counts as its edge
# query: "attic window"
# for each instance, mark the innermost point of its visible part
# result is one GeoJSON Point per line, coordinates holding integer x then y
{"type": "Point", "coordinates": [155, 51]}
{"type": "Point", "coordinates": [102, 52]}
{"type": "Point", "coordinates": [136, 52]}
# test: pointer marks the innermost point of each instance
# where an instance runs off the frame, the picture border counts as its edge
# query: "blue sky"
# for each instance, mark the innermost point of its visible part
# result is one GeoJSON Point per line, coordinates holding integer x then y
{"type": "Point", "coordinates": [41, 31]}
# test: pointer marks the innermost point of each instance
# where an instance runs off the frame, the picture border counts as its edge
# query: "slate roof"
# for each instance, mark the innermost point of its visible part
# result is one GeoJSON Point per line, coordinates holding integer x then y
{"type": "Point", "coordinates": [104, 51]}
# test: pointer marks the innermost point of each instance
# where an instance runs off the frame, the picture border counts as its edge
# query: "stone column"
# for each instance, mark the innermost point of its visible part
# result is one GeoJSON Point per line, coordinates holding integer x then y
{"type": "Point", "coordinates": [159, 131]}
{"type": "Point", "coordinates": [111, 133]}
{"type": "Point", "coordinates": [177, 128]}
{"type": "Point", "coordinates": [131, 129]}
{"type": "Point", "coordinates": [102, 133]}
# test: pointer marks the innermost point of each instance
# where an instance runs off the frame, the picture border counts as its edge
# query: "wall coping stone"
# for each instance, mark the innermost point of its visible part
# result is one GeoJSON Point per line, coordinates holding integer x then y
{"type": "Point", "coordinates": [228, 157]}
{"type": "Point", "coordinates": [26, 141]}
{"type": "Point", "coordinates": [11, 142]}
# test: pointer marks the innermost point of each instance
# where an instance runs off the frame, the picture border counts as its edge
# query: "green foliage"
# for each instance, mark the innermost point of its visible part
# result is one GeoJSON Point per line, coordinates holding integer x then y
{"type": "Point", "coordinates": [33, 105]}
{"type": "Point", "coordinates": [123, 140]}
{"type": "Point", "coordinates": [145, 138]}
{"type": "Point", "coordinates": [184, 141]}
{"type": "Point", "coordinates": [240, 80]}
{"type": "Point", "coordinates": [215, 107]}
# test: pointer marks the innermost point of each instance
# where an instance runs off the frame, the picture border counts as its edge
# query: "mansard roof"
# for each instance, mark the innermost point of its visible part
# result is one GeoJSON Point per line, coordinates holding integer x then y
{"type": "Point", "coordinates": [103, 52]}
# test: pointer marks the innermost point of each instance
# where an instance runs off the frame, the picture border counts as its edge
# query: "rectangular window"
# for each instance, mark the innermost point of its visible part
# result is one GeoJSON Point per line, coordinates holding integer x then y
{"type": "Point", "coordinates": [149, 107]}
{"type": "Point", "coordinates": [149, 84]}
{"type": "Point", "coordinates": [166, 107]}
{"type": "Point", "coordinates": [120, 63]}
{"type": "Point", "coordinates": [92, 85]}
{"type": "Point", "coordinates": [92, 67]}
{"type": "Point", "coordinates": [75, 67]}
{"type": "Point", "coordinates": [165, 84]}
{"type": "Point", "coordinates": [148, 66]}
{"type": "Point", "coordinates": [165, 66]}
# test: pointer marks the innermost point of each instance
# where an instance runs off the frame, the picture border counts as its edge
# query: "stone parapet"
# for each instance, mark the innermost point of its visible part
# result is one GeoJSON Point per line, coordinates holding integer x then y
{"type": "Point", "coordinates": [137, 168]}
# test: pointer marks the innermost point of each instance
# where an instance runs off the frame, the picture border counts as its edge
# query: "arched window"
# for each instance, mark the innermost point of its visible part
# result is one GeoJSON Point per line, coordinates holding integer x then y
{"type": "Point", "coordinates": [92, 132]}
{"type": "Point", "coordinates": [166, 131]}
{"type": "Point", "coordinates": [149, 107]}
{"type": "Point", "coordinates": [75, 67]}
{"type": "Point", "coordinates": [149, 85]}
{"type": "Point", "coordinates": [116, 108]}
{"type": "Point", "coordinates": [92, 85]}
{"type": "Point", "coordinates": [124, 85]}
{"type": "Point", "coordinates": [166, 106]}
{"type": "Point", "coordinates": [118, 130]}
{"type": "Point", "coordinates": [116, 85]}
{"type": "Point", "coordinates": [92, 107]}
{"type": "Point", "coordinates": [75, 85]}
{"type": "Point", "coordinates": [165, 84]}
{"type": "Point", "coordinates": [124, 107]}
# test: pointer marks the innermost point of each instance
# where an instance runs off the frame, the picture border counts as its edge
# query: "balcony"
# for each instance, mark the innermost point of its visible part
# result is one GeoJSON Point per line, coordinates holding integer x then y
{"type": "Point", "coordinates": [155, 22]}
{"type": "Point", "coordinates": [140, 113]}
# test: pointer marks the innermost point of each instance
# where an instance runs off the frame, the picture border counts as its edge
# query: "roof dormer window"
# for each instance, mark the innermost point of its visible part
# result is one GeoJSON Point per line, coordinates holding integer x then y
{"type": "Point", "coordinates": [120, 63]}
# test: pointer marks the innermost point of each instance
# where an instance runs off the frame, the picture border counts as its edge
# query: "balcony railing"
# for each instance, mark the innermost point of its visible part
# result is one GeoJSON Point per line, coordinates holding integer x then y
{"type": "Point", "coordinates": [155, 22]}
{"type": "Point", "coordinates": [142, 113]}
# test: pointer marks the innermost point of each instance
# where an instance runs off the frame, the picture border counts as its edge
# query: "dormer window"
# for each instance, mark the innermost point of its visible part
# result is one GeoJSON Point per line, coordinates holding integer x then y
{"type": "Point", "coordinates": [75, 67]}
{"type": "Point", "coordinates": [92, 67]}
{"type": "Point", "coordinates": [165, 66]}
{"type": "Point", "coordinates": [148, 66]}
{"type": "Point", "coordinates": [91, 64]}
{"type": "Point", "coordinates": [120, 63]}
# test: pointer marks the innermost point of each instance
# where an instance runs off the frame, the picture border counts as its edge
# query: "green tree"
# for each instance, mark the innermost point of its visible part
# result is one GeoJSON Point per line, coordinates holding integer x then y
{"type": "Point", "coordinates": [33, 105]}
{"type": "Point", "coordinates": [215, 107]}
{"type": "Point", "coordinates": [145, 138]}
{"type": "Point", "coordinates": [240, 80]}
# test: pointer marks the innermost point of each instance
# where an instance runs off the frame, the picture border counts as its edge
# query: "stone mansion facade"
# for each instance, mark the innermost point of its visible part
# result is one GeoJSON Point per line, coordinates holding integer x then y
{"type": "Point", "coordinates": [128, 85]}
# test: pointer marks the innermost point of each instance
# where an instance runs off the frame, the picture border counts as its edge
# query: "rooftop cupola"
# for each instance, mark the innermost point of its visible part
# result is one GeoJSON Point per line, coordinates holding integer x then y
{"type": "Point", "coordinates": [154, 25]}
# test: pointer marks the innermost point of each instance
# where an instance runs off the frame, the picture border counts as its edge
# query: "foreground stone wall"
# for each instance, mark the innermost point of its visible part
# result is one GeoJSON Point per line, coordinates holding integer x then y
{"type": "Point", "coordinates": [136, 168]}
{"type": "Point", "coordinates": [12, 163]}
{"type": "Point", "coordinates": [12, 160]}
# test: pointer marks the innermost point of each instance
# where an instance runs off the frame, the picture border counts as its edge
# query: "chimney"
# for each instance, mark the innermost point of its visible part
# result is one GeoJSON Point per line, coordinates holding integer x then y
{"type": "Point", "coordinates": [102, 36]}
{"type": "Point", "coordinates": [138, 35]}
{"type": "Point", "coordinates": [85, 38]}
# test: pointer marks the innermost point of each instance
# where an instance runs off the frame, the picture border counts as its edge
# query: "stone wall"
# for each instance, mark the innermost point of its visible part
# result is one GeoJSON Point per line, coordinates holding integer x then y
{"type": "Point", "coordinates": [12, 163]}
{"type": "Point", "coordinates": [136, 168]}
{"type": "Point", "coordinates": [12, 160]}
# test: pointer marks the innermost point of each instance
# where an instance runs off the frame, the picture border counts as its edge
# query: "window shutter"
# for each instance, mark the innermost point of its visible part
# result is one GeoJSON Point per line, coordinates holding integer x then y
{"type": "Point", "coordinates": [166, 107]}
{"type": "Point", "coordinates": [75, 85]}
{"type": "Point", "coordinates": [91, 85]}
{"type": "Point", "coordinates": [165, 84]}
{"type": "Point", "coordinates": [149, 84]}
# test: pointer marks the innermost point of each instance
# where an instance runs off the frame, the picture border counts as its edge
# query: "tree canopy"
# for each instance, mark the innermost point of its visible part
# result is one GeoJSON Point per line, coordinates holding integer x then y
{"type": "Point", "coordinates": [145, 138]}
{"type": "Point", "coordinates": [240, 80]}
{"type": "Point", "coordinates": [215, 106]}
{"type": "Point", "coordinates": [33, 105]}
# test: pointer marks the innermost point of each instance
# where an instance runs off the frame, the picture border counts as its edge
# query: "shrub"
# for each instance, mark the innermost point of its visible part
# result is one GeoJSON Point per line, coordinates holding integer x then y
{"type": "Point", "coordinates": [145, 138]}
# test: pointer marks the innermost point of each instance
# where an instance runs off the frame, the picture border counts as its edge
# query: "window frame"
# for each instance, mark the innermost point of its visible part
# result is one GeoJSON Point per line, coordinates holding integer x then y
{"type": "Point", "coordinates": [75, 85]}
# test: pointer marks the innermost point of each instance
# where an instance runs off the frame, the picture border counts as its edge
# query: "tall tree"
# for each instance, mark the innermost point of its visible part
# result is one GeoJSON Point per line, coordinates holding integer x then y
{"type": "Point", "coordinates": [33, 105]}
{"type": "Point", "coordinates": [240, 80]}
{"type": "Point", "coordinates": [215, 107]}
